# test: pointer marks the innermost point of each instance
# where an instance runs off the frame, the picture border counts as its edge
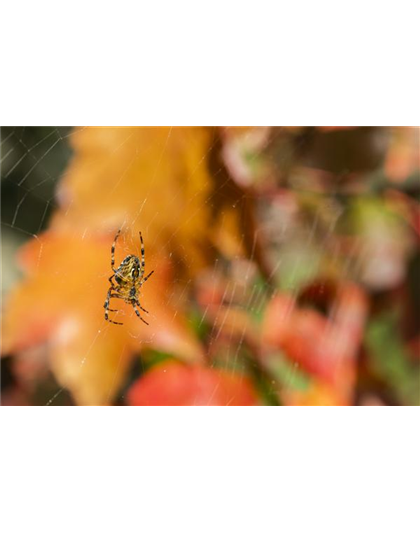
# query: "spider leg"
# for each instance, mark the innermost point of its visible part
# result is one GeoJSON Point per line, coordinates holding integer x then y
{"type": "Point", "coordinates": [138, 314]}
{"type": "Point", "coordinates": [147, 277]}
{"type": "Point", "coordinates": [113, 322]}
{"type": "Point", "coordinates": [112, 283]}
{"type": "Point", "coordinates": [107, 309]}
{"type": "Point", "coordinates": [142, 255]}
{"type": "Point", "coordinates": [140, 307]}
{"type": "Point", "coordinates": [109, 296]}
{"type": "Point", "coordinates": [113, 249]}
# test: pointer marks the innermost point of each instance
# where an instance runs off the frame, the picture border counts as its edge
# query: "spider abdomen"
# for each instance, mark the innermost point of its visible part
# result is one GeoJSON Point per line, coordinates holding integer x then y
{"type": "Point", "coordinates": [128, 271]}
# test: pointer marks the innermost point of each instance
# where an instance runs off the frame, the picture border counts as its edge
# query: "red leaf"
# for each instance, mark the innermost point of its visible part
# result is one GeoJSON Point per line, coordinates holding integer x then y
{"type": "Point", "coordinates": [173, 383]}
{"type": "Point", "coordinates": [324, 347]}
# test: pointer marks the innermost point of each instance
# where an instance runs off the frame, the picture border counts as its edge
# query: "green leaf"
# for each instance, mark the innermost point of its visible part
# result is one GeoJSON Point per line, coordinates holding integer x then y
{"type": "Point", "coordinates": [390, 359]}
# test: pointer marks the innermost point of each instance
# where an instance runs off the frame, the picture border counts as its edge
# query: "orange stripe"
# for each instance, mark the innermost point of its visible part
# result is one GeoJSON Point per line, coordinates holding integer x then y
{"type": "Point", "coordinates": [82, 470]}
{"type": "Point", "coordinates": [104, 477]}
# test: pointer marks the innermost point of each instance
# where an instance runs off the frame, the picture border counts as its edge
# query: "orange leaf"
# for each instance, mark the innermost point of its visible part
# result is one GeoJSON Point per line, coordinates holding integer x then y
{"type": "Point", "coordinates": [403, 156]}
{"type": "Point", "coordinates": [153, 180]}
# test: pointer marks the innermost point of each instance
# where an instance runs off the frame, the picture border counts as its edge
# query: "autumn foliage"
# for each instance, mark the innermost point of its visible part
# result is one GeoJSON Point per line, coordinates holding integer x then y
{"type": "Point", "coordinates": [279, 269]}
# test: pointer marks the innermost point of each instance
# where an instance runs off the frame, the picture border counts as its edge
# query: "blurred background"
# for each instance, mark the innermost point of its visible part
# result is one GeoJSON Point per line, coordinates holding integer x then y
{"type": "Point", "coordinates": [286, 263]}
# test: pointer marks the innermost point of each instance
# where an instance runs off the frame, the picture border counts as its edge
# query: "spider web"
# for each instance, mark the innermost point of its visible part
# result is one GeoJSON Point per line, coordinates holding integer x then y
{"type": "Point", "coordinates": [33, 161]}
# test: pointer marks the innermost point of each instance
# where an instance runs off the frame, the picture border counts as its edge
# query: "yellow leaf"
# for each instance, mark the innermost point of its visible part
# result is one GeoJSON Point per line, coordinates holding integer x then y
{"type": "Point", "coordinates": [153, 180]}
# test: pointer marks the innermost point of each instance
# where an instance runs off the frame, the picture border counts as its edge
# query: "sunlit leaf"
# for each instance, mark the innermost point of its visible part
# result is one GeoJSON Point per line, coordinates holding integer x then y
{"type": "Point", "coordinates": [169, 183]}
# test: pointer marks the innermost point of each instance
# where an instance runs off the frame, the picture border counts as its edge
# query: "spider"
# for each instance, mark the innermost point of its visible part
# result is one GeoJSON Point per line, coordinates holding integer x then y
{"type": "Point", "coordinates": [129, 278]}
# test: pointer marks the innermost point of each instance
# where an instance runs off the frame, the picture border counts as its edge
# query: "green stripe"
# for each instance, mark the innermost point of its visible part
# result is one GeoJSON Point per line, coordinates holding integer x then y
{"type": "Point", "coordinates": [317, 448]}
{"type": "Point", "coordinates": [92, 469]}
